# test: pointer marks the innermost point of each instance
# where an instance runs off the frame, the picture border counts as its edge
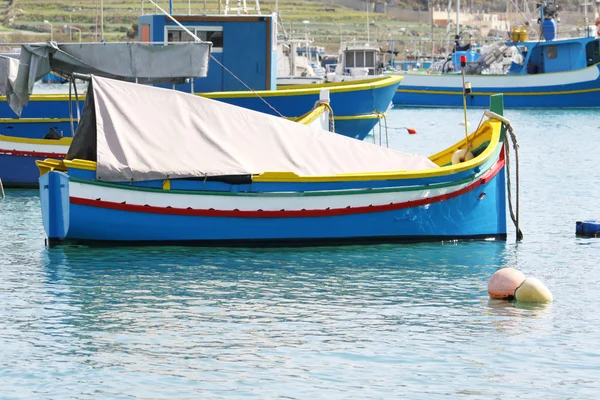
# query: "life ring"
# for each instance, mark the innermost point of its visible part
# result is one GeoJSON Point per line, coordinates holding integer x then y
{"type": "Point", "coordinates": [461, 155]}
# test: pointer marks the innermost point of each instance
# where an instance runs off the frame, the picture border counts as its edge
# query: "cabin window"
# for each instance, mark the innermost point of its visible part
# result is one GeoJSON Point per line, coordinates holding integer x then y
{"type": "Point", "coordinates": [592, 50]}
{"type": "Point", "coordinates": [370, 59]}
{"type": "Point", "coordinates": [360, 59]}
{"type": "Point", "coordinates": [349, 59]}
{"type": "Point", "coordinates": [179, 35]}
{"type": "Point", "coordinates": [551, 52]}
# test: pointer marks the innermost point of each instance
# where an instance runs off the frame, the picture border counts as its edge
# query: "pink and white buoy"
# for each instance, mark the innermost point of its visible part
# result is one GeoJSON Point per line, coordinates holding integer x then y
{"type": "Point", "coordinates": [504, 282]}
{"type": "Point", "coordinates": [509, 284]}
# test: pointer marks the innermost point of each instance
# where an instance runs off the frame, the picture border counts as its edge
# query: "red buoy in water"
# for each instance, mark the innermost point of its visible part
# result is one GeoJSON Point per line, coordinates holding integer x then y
{"type": "Point", "coordinates": [504, 282]}
{"type": "Point", "coordinates": [411, 131]}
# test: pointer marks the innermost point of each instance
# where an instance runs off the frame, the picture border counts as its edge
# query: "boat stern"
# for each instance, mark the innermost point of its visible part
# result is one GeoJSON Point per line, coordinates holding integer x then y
{"type": "Point", "coordinates": [54, 198]}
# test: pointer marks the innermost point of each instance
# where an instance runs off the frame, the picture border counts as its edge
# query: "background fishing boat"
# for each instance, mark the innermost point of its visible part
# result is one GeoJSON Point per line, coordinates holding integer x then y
{"type": "Point", "coordinates": [242, 71]}
{"type": "Point", "coordinates": [545, 73]}
{"type": "Point", "coordinates": [260, 180]}
{"type": "Point", "coordinates": [34, 139]}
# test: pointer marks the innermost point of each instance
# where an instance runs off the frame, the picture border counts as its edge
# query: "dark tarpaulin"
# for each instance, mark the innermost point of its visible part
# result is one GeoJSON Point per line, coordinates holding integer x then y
{"type": "Point", "coordinates": [83, 146]}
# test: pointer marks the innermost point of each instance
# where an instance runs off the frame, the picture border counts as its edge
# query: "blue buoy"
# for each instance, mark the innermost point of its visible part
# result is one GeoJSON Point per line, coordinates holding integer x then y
{"type": "Point", "coordinates": [590, 228]}
{"type": "Point", "coordinates": [549, 29]}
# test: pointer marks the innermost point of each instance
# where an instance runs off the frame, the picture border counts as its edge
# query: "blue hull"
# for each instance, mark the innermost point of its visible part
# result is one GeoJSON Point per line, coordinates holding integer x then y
{"type": "Point", "coordinates": [578, 100]}
{"type": "Point", "coordinates": [467, 216]}
{"type": "Point", "coordinates": [581, 93]}
{"type": "Point", "coordinates": [34, 129]}
{"type": "Point", "coordinates": [19, 171]}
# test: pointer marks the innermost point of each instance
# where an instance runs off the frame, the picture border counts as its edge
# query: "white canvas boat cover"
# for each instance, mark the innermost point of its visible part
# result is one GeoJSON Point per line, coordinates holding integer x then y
{"type": "Point", "coordinates": [134, 62]}
{"type": "Point", "coordinates": [139, 133]}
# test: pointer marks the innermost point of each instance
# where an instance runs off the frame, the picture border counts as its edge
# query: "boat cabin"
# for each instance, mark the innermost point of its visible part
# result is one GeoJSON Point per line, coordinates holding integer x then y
{"type": "Point", "coordinates": [244, 44]}
{"type": "Point", "coordinates": [555, 55]}
{"type": "Point", "coordinates": [360, 60]}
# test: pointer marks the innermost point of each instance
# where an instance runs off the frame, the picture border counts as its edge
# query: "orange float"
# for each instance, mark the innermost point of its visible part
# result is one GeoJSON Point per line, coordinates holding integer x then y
{"type": "Point", "coordinates": [504, 282]}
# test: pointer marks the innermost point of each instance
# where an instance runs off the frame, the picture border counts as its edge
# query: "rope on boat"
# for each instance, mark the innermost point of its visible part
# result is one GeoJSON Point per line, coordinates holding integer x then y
{"type": "Point", "coordinates": [328, 107]}
{"type": "Point", "coordinates": [514, 211]}
{"type": "Point", "coordinates": [515, 218]}
{"type": "Point", "coordinates": [381, 116]}
{"type": "Point", "coordinates": [247, 87]}
{"type": "Point", "coordinates": [2, 189]}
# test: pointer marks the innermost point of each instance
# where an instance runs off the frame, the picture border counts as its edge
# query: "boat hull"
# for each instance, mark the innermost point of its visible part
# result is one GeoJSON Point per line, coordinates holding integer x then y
{"type": "Point", "coordinates": [18, 158]}
{"type": "Point", "coordinates": [572, 89]}
{"type": "Point", "coordinates": [357, 106]}
{"type": "Point", "coordinates": [83, 211]}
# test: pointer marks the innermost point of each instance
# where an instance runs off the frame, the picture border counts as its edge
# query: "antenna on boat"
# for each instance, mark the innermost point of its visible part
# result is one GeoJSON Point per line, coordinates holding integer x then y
{"type": "Point", "coordinates": [368, 35]}
{"type": "Point", "coordinates": [466, 90]}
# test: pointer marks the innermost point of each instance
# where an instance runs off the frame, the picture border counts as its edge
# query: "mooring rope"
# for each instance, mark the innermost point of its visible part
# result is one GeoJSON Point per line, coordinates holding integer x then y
{"type": "Point", "coordinates": [328, 107]}
{"type": "Point", "coordinates": [513, 215]}
{"type": "Point", "coordinates": [381, 116]}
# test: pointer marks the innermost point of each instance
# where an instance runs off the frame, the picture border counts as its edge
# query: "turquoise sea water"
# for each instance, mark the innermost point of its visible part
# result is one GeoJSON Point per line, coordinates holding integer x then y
{"type": "Point", "coordinates": [366, 322]}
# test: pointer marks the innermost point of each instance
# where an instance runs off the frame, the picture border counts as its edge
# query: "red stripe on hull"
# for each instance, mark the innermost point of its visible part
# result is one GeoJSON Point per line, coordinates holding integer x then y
{"type": "Point", "coordinates": [289, 213]}
{"type": "Point", "coordinates": [20, 153]}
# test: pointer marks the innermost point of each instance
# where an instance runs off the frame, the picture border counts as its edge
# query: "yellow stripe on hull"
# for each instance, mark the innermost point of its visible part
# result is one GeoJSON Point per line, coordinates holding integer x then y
{"type": "Point", "coordinates": [487, 94]}
{"type": "Point", "coordinates": [12, 139]}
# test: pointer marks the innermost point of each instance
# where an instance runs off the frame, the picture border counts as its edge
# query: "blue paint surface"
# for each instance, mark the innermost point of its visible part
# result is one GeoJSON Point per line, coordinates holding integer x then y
{"type": "Point", "coordinates": [19, 171]}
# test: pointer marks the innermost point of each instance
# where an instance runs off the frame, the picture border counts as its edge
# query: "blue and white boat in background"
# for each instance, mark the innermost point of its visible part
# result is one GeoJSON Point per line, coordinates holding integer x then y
{"type": "Point", "coordinates": [156, 166]}
{"type": "Point", "coordinates": [544, 73]}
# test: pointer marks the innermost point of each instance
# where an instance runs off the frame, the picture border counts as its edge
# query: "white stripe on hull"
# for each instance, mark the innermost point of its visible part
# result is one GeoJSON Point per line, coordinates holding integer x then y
{"type": "Point", "coordinates": [588, 74]}
{"type": "Point", "coordinates": [252, 202]}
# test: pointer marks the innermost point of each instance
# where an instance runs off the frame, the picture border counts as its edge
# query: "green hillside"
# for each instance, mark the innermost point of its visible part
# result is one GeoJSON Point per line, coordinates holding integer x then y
{"type": "Point", "coordinates": [23, 20]}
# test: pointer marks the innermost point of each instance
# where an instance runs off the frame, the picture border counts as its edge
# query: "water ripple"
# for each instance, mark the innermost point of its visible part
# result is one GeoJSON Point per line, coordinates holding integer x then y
{"type": "Point", "coordinates": [356, 322]}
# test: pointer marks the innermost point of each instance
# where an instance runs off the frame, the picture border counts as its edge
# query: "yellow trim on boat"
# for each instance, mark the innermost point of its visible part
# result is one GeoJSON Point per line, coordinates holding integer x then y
{"type": "Point", "coordinates": [313, 89]}
{"type": "Point", "coordinates": [489, 132]}
{"type": "Point", "coordinates": [13, 139]}
{"type": "Point", "coordinates": [329, 84]}
{"type": "Point", "coordinates": [30, 120]}
{"type": "Point", "coordinates": [166, 184]}
{"type": "Point", "coordinates": [311, 116]}
{"type": "Point", "coordinates": [354, 117]}
{"type": "Point", "coordinates": [80, 164]}
{"type": "Point", "coordinates": [296, 90]}
{"type": "Point", "coordinates": [49, 165]}
{"type": "Point", "coordinates": [476, 93]}
{"type": "Point", "coordinates": [444, 157]}
{"type": "Point", "coordinates": [49, 97]}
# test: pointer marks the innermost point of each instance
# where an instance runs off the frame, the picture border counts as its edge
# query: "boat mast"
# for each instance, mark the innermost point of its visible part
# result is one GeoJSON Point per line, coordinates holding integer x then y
{"type": "Point", "coordinates": [448, 26]}
{"type": "Point", "coordinates": [430, 5]}
{"type": "Point", "coordinates": [368, 35]}
{"type": "Point", "coordinates": [458, 17]}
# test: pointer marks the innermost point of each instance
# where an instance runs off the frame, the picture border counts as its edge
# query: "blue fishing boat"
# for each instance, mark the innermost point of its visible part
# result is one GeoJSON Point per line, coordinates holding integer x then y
{"type": "Point", "coordinates": [18, 156]}
{"type": "Point", "coordinates": [155, 166]}
{"type": "Point", "coordinates": [242, 71]}
{"type": "Point", "coordinates": [544, 73]}
{"type": "Point", "coordinates": [45, 136]}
